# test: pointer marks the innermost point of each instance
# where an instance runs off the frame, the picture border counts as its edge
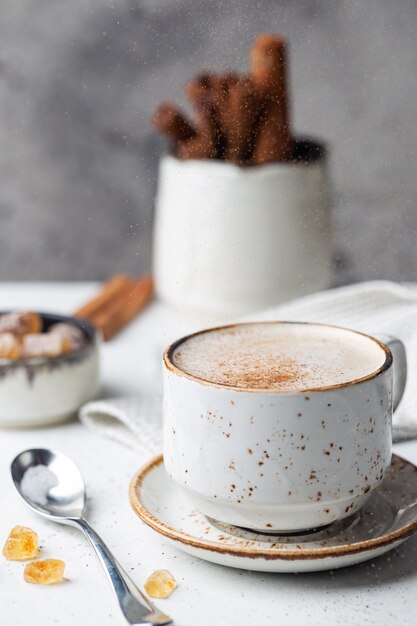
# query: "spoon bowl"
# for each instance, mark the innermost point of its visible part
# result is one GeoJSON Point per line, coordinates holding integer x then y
{"type": "Point", "coordinates": [50, 483]}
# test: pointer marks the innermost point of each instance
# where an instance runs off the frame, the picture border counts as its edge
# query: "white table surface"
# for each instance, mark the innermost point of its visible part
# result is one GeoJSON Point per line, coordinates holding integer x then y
{"type": "Point", "coordinates": [383, 591]}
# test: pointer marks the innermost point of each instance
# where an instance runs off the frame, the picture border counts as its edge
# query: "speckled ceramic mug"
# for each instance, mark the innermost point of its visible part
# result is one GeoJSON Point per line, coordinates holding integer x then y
{"type": "Point", "coordinates": [282, 461]}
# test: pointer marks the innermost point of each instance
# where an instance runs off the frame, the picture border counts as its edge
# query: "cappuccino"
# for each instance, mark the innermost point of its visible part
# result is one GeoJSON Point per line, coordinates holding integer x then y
{"type": "Point", "coordinates": [278, 357]}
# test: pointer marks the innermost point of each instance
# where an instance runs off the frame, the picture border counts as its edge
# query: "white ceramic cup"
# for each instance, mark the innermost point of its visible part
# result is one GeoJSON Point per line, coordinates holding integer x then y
{"type": "Point", "coordinates": [283, 461]}
{"type": "Point", "coordinates": [229, 240]}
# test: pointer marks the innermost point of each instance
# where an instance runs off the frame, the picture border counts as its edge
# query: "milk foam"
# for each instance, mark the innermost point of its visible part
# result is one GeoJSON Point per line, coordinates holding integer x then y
{"type": "Point", "coordinates": [282, 357]}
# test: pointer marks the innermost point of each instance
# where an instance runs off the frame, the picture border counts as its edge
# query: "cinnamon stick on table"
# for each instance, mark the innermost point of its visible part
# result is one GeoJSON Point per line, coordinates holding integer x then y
{"type": "Point", "coordinates": [117, 304]}
{"type": "Point", "coordinates": [118, 313]}
{"type": "Point", "coordinates": [111, 289]}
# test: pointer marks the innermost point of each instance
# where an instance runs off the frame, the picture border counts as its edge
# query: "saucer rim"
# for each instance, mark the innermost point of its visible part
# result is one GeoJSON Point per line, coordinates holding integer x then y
{"type": "Point", "coordinates": [366, 545]}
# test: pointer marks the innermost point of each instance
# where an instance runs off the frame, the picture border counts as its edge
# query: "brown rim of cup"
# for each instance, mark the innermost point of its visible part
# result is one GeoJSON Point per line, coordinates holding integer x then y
{"type": "Point", "coordinates": [170, 365]}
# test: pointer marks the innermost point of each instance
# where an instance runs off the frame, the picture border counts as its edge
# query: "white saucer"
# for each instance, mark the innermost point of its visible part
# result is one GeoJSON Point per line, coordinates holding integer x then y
{"type": "Point", "coordinates": [386, 520]}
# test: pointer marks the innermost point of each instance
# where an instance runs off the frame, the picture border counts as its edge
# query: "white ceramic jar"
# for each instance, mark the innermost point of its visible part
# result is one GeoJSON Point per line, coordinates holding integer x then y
{"type": "Point", "coordinates": [230, 240]}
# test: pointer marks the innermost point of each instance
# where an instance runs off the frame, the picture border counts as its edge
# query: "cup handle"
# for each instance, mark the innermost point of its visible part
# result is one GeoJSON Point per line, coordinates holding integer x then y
{"type": "Point", "coordinates": [399, 367]}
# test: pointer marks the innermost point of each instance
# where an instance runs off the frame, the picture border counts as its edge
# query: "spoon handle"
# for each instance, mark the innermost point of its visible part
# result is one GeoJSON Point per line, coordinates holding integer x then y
{"type": "Point", "coordinates": [136, 607]}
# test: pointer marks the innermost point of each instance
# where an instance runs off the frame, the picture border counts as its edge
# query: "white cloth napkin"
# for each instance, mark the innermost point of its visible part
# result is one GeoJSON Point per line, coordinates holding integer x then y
{"type": "Point", "coordinates": [372, 307]}
{"type": "Point", "coordinates": [133, 422]}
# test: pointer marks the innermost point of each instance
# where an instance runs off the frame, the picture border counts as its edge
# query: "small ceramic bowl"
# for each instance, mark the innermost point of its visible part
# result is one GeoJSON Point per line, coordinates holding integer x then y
{"type": "Point", "coordinates": [44, 390]}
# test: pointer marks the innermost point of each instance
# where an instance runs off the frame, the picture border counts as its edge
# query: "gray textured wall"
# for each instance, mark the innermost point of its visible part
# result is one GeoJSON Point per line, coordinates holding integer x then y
{"type": "Point", "coordinates": [79, 80]}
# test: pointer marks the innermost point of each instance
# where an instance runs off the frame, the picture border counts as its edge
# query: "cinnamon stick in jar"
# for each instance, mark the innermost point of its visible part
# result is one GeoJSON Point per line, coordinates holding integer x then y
{"type": "Point", "coordinates": [241, 115]}
{"type": "Point", "coordinates": [268, 70]}
{"type": "Point", "coordinates": [221, 85]}
{"type": "Point", "coordinates": [201, 146]}
{"type": "Point", "coordinates": [209, 141]}
{"type": "Point", "coordinates": [169, 121]}
{"type": "Point", "coordinates": [199, 86]}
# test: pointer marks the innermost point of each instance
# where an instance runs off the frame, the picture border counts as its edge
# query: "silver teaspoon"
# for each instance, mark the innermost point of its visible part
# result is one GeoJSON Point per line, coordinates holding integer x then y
{"type": "Point", "coordinates": [52, 485]}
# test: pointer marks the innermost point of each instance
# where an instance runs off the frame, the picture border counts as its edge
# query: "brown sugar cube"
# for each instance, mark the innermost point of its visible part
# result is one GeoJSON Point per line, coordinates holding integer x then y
{"type": "Point", "coordinates": [169, 121]}
{"type": "Point", "coordinates": [20, 323]}
{"type": "Point", "coordinates": [44, 572]}
{"type": "Point", "coordinates": [21, 544]}
{"type": "Point", "coordinates": [45, 344]}
{"type": "Point", "coordinates": [70, 332]}
{"type": "Point", "coordinates": [10, 347]}
{"type": "Point", "coordinates": [160, 584]}
{"type": "Point", "coordinates": [268, 70]}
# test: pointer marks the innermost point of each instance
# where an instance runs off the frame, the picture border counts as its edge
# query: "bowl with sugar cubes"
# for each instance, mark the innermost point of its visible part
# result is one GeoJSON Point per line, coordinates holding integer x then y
{"type": "Point", "coordinates": [49, 366]}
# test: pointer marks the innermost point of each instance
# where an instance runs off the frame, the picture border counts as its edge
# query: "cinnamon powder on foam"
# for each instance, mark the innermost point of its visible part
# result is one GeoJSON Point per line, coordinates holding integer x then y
{"type": "Point", "coordinates": [265, 357]}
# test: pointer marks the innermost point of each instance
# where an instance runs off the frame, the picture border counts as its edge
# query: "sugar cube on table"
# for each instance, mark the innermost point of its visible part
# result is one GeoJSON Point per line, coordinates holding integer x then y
{"type": "Point", "coordinates": [44, 572]}
{"type": "Point", "coordinates": [160, 584]}
{"type": "Point", "coordinates": [21, 544]}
